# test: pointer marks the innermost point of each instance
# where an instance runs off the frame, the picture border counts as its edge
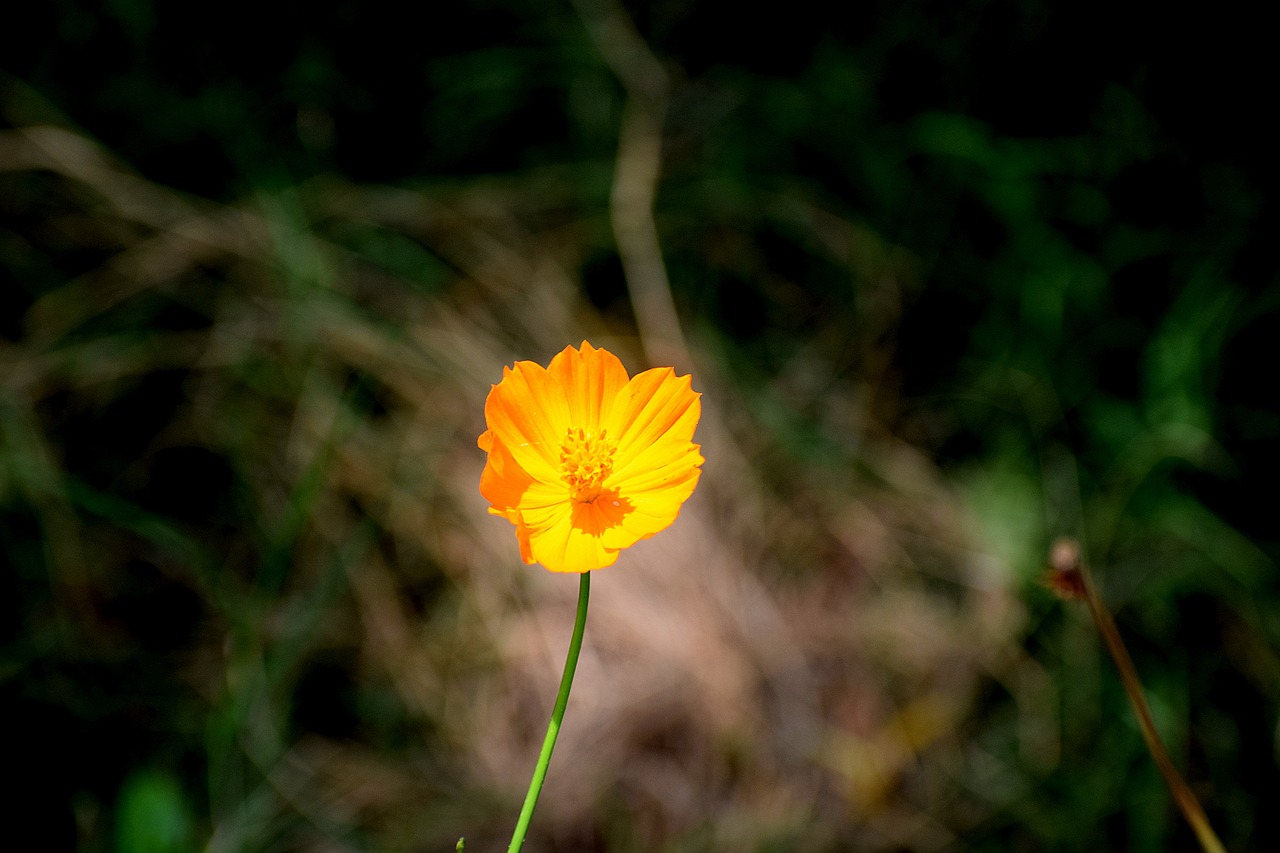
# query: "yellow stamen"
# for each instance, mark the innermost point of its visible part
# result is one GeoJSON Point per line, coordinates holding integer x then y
{"type": "Point", "coordinates": [586, 459]}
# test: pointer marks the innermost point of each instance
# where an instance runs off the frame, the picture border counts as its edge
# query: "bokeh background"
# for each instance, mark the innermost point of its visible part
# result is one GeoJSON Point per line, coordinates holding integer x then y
{"type": "Point", "coordinates": [954, 280]}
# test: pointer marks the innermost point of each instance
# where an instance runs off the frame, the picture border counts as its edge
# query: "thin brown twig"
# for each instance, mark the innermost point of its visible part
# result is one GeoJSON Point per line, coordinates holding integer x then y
{"type": "Point", "coordinates": [1070, 577]}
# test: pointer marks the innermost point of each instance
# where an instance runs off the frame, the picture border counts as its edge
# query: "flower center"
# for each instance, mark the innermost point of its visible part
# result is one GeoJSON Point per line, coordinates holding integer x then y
{"type": "Point", "coordinates": [586, 459]}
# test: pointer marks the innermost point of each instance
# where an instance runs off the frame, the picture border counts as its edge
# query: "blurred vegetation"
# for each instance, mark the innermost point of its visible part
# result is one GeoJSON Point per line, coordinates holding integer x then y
{"type": "Point", "coordinates": [955, 280]}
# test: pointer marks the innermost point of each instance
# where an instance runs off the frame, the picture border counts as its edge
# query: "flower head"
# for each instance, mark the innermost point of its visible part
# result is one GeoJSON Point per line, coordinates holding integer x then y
{"type": "Point", "coordinates": [586, 461]}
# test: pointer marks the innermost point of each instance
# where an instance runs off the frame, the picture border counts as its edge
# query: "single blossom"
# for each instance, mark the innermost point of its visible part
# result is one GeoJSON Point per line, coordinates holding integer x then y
{"type": "Point", "coordinates": [586, 461]}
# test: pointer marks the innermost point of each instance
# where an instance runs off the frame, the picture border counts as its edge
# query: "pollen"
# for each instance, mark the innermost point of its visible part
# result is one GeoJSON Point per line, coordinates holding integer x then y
{"type": "Point", "coordinates": [586, 460]}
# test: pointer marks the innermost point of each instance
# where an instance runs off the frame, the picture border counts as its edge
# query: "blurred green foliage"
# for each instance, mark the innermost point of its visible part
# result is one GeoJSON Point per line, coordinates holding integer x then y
{"type": "Point", "coordinates": [1033, 241]}
{"type": "Point", "coordinates": [152, 816]}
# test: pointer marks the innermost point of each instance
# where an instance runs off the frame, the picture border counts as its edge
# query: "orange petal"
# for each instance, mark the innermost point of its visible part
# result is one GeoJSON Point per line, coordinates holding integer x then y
{"type": "Point", "coordinates": [503, 482]}
{"type": "Point", "coordinates": [526, 549]}
{"type": "Point", "coordinates": [528, 413]}
{"type": "Point", "coordinates": [591, 379]}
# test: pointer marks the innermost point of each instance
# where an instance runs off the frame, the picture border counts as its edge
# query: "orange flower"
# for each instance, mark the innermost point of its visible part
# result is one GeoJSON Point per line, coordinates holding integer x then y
{"type": "Point", "coordinates": [585, 461]}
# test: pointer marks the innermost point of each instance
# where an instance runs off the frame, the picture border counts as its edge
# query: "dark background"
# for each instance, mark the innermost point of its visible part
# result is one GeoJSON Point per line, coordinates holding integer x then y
{"type": "Point", "coordinates": [272, 252]}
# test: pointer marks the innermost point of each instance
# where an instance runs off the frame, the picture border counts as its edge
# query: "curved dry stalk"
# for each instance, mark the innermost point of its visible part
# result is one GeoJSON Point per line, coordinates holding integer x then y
{"type": "Point", "coordinates": [1070, 578]}
{"type": "Point", "coordinates": [635, 179]}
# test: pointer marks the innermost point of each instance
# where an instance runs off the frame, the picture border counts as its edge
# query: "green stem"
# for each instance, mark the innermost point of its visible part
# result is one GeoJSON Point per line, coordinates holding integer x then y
{"type": "Point", "coordinates": [557, 714]}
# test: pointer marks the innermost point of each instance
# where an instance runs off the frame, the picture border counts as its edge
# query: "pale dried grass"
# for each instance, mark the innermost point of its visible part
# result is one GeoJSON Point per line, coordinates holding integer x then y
{"type": "Point", "coordinates": [796, 658]}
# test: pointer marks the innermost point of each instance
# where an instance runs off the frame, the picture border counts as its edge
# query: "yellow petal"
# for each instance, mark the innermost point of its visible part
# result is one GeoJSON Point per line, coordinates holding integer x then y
{"type": "Point", "coordinates": [656, 413]}
{"type": "Point", "coordinates": [511, 491]}
{"type": "Point", "coordinates": [650, 420]}
{"type": "Point", "coordinates": [571, 542]}
{"type": "Point", "coordinates": [654, 501]}
{"type": "Point", "coordinates": [654, 472]}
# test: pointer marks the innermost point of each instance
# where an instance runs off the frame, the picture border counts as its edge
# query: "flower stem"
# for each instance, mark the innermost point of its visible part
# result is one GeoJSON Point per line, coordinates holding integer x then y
{"type": "Point", "coordinates": [1182, 794]}
{"type": "Point", "coordinates": [557, 714]}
